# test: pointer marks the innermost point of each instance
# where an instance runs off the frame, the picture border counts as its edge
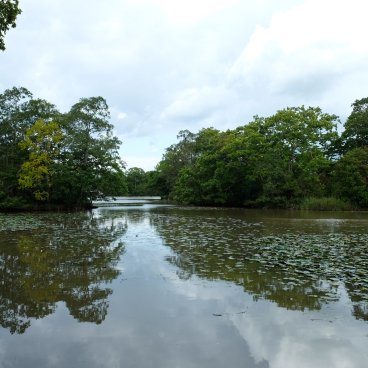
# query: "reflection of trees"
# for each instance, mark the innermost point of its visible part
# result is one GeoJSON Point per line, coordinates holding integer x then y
{"type": "Point", "coordinates": [297, 271]}
{"type": "Point", "coordinates": [69, 259]}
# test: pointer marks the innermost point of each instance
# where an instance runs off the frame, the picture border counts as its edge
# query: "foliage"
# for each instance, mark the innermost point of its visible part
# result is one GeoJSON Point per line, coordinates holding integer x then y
{"type": "Point", "coordinates": [293, 158]}
{"type": "Point", "coordinates": [275, 161]}
{"type": "Point", "coordinates": [136, 181]}
{"type": "Point", "coordinates": [42, 141]}
{"type": "Point", "coordinates": [356, 127]}
{"type": "Point", "coordinates": [18, 112]}
{"type": "Point", "coordinates": [350, 177]}
{"type": "Point", "coordinates": [67, 159]}
{"type": "Point", "coordinates": [9, 10]}
{"type": "Point", "coordinates": [90, 154]}
{"type": "Point", "coordinates": [268, 257]}
{"type": "Point", "coordinates": [325, 204]}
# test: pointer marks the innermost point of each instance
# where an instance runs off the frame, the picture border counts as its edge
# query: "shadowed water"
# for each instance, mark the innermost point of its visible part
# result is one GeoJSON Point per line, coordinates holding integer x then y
{"type": "Point", "coordinates": [163, 286]}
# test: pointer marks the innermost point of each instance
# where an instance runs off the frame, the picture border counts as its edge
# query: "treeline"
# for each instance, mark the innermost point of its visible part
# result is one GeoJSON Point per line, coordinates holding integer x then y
{"type": "Point", "coordinates": [49, 159]}
{"type": "Point", "coordinates": [295, 158]}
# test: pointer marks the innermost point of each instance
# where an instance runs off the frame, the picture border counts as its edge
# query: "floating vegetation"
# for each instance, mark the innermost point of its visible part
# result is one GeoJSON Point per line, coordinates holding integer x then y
{"type": "Point", "coordinates": [17, 222]}
{"type": "Point", "coordinates": [294, 269]}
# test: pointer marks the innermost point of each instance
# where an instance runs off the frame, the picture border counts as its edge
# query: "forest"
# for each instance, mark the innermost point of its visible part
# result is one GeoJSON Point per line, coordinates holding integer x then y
{"type": "Point", "coordinates": [296, 158]}
{"type": "Point", "coordinates": [53, 160]}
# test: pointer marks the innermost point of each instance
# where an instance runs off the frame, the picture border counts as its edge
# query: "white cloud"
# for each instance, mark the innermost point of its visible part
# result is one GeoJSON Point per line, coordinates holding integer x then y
{"type": "Point", "coordinates": [305, 51]}
{"type": "Point", "coordinates": [173, 65]}
{"type": "Point", "coordinates": [186, 12]}
{"type": "Point", "coordinates": [121, 115]}
{"type": "Point", "coordinates": [198, 103]}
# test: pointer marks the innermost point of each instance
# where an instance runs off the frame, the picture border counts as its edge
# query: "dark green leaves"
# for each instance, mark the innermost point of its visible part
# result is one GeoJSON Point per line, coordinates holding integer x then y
{"type": "Point", "coordinates": [9, 10]}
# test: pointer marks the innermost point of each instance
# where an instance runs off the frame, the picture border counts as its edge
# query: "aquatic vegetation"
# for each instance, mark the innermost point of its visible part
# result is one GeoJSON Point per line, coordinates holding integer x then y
{"type": "Point", "coordinates": [294, 269]}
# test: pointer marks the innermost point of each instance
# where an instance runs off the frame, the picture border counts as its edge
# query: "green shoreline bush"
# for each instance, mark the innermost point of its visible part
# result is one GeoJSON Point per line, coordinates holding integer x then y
{"type": "Point", "coordinates": [326, 204]}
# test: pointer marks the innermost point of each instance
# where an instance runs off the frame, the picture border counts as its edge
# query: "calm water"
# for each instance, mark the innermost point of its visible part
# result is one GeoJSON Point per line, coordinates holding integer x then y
{"type": "Point", "coordinates": [160, 286]}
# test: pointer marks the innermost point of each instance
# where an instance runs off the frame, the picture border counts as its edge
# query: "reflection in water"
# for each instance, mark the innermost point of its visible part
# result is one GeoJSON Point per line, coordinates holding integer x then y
{"type": "Point", "coordinates": [52, 258]}
{"type": "Point", "coordinates": [201, 288]}
{"type": "Point", "coordinates": [298, 270]}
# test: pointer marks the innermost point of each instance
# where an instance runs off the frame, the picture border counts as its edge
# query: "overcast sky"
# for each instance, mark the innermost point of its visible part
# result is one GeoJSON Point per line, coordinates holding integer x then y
{"type": "Point", "coordinates": [168, 65]}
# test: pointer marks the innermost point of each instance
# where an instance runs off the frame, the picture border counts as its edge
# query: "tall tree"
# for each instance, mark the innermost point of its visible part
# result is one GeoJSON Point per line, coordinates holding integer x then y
{"type": "Point", "coordinates": [356, 126]}
{"type": "Point", "coordinates": [18, 112]}
{"type": "Point", "coordinates": [42, 141]}
{"type": "Point", "coordinates": [136, 180]}
{"type": "Point", "coordinates": [350, 177]}
{"type": "Point", "coordinates": [9, 10]}
{"type": "Point", "coordinates": [295, 151]}
{"type": "Point", "coordinates": [90, 153]}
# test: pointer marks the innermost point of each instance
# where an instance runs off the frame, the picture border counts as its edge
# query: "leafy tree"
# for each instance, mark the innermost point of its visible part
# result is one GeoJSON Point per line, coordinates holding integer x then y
{"type": "Point", "coordinates": [90, 153]}
{"type": "Point", "coordinates": [42, 141]}
{"type": "Point", "coordinates": [350, 177]}
{"type": "Point", "coordinates": [136, 180]}
{"type": "Point", "coordinates": [197, 182]}
{"type": "Point", "coordinates": [294, 152]}
{"type": "Point", "coordinates": [18, 112]}
{"type": "Point", "coordinates": [274, 161]}
{"type": "Point", "coordinates": [176, 157]}
{"type": "Point", "coordinates": [356, 127]}
{"type": "Point", "coordinates": [9, 10]}
{"type": "Point", "coordinates": [156, 185]}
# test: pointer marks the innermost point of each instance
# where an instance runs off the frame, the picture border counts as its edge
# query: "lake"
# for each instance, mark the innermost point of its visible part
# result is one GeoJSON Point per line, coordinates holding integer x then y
{"type": "Point", "coordinates": [179, 287]}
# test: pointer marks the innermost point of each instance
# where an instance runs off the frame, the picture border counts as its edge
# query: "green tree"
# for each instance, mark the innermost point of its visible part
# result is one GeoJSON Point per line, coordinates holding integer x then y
{"type": "Point", "coordinates": [136, 180]}
{"type": "Point", "coordinates": [90, 153]}
{"type": "Point", "coordinates": [350, 177]}
{"type": "Point", "coordinates": [18, 112]}
{"type": "Point", "coordinates": [295, 153]}
{"type": "Point", "coordinates": [43, 143]}
{"type": "Point", "coordinates": [175, 158]}
{"type": "Point", "coordinates": [355, 132]}
{"type": "Point", "coordinates": [9, 10]}
{"type": "Point", "coordinates": [198, 182]}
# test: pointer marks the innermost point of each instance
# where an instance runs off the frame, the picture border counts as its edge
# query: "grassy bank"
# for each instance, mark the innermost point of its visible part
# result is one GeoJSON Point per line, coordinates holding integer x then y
{"type": "Point", "coordinates": [326, 204]}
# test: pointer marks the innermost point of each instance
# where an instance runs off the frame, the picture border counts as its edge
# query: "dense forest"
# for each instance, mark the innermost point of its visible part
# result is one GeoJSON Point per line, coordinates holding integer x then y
{"type": "Point", "coordinates": [295, 158]}
{"type": "Point", "coordinates": [54, 160]}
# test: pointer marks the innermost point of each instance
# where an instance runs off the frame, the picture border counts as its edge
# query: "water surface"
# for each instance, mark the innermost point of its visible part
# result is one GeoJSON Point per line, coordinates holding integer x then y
{"type": "Point", "coordinates": [162, 286]}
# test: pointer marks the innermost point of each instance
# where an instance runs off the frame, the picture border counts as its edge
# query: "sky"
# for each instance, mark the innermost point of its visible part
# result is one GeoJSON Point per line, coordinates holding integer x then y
{"type": "Point", "coordinates": [169, 65]}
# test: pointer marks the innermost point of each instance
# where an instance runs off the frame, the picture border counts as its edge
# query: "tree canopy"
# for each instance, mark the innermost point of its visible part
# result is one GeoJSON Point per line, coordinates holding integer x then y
{"type": "Point", "coordinates": [290, 159]}
{"type": "Point", "coordinates": [9, 10]}
{"type": "Point", "coordinates": [283, 160]}
{"type": "Point", "coordinates": [60, 159]}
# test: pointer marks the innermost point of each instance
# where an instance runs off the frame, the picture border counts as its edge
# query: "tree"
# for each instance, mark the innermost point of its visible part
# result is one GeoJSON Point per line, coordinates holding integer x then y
{"type": "Point", "coordinates": [136, 180]}
{"type": "Point", "coordinates": [176, 157]}
{"type": "Point", "coordinates": [295, 152]}
{"type": "Point", "coordinates": [273, 161]}
{"type": "Point", "coordinates": [90, 153]}
{"type": "Point", "coordinates": [9, 10]}
{"type": "Point", "coordinates": [356, 126]}
{"type": "Point", "coordinates": [350, 177]}
{"type": "Point", "coordinates": [18, 112]}
{"type": "Point", "coordinates": [42, 141]}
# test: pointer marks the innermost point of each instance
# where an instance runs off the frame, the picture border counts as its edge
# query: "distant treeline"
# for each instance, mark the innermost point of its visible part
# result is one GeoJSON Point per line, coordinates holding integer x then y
{"type": "Point", "coordinates": [293, 159]}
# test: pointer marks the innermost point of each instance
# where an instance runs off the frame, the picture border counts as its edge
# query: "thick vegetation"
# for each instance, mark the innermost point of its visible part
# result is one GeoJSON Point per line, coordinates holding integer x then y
{"type": "Point", "coordinates": [294, 158]}
{"type": "Point", "coordinates": [49, 159]}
